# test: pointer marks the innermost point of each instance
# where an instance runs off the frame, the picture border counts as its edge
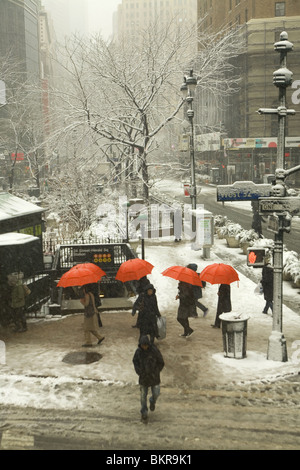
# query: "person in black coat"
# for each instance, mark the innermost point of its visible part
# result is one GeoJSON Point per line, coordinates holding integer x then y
{"type": "Point", "coordinates": [146, 304]}
{"type": "Point", "coordinates": [197, 290]}
{"type": "Point", "coordinates": [139, 289]}
{"type": "Point", "coordinates": [148, 363]}
{"type": "Point", "coordinates": [187, 306]}
{"type": "Point", "coordinates": [224, 303]}
{"type": "Point", "coordinates": [267, 285]}
{"type": "Point", "coordinates": [257, 218]}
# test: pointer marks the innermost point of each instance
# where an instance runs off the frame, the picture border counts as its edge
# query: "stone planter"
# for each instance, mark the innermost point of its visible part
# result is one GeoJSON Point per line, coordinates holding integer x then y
{"type": "Point", "coordinates": [244, 246]}
{"type": "Point", "coordinates": [232, 242]}
{"type": "Point", "coordinates": [220, 236]}
{"type": "Point", "coordinates": [296, 285]}
{"type": "Point", "coordinates": [286, 276]}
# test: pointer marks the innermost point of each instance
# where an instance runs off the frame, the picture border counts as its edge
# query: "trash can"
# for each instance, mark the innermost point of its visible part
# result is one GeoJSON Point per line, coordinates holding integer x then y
{"type": "Point", "coordinates": [234, 331]}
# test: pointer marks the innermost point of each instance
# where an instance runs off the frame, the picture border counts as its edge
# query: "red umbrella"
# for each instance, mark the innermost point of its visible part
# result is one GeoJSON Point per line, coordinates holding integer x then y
{"type": "Point", "coordinates": [219, 273]}
{"type": "Point", "coordinates": [133, 270]}
{"type": "Point", "coordinates": [81, 274]}
{"type": "Point", "coordinates": [183, 274]}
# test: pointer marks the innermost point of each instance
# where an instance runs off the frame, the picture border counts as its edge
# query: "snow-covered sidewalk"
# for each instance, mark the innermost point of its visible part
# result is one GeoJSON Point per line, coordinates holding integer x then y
{"type": "Point", "coordinates": [34, 371]}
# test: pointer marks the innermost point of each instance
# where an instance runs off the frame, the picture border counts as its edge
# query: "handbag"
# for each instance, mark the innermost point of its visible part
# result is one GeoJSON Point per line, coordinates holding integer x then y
{"type": "Point", "coordinates": [161, 326]}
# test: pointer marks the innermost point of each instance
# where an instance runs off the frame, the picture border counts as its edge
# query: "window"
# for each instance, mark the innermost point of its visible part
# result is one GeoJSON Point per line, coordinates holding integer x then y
{"type": "Point", "coordinates": [280, 9]}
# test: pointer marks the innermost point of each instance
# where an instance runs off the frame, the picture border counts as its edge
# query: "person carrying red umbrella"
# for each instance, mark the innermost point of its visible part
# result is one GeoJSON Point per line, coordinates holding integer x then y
{"type": "Point", "coordinates": [187, 307]}
{"type": "Point", "coordinates": [147, 306]}
{"type": "Point", "coordinates": [224, 303]}
{"type": "Point", "coordinates": [90, 317]}
{"type": "Point", "coordinates": [187, 278]}
{"type": "Point", "coordinates": [223, 274]}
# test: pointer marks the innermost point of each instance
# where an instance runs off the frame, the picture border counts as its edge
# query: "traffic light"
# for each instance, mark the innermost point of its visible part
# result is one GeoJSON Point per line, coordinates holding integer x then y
{"type": "Point", "coordinates": [256, 257]}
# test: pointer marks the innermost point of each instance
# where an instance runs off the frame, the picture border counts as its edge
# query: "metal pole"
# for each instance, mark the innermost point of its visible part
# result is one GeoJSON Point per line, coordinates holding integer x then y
{"type": "Point", "coordinates": [277, 349]}
{"type": "Point", "coordinates": [188, 87]}
{"type": "Point", "coordinates": [192, 158]}
{"type": "Point", "coordinates": [143, 241]}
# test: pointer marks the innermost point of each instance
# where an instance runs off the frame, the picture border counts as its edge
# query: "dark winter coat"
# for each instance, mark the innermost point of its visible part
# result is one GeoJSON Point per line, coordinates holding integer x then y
{"type": "Point", "coordinates": [148, 363]}
{"type": "Point", "coordinates": [197, 290]}
{"type": "Point", "coordinates": [148, 312]}
{"type": "Point", "coordinates": [187, 301]}
{"type": "Point", "coordinates": [267, 282]}
{"type": "Point", "coordinates": [224, 300]}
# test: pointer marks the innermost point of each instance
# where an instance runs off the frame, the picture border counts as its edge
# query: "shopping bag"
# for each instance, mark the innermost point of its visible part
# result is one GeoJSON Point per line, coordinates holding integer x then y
{"type": "Point", "coordinates": [161, 325]}
{"type": "Point", "coordinates": [258, 289]}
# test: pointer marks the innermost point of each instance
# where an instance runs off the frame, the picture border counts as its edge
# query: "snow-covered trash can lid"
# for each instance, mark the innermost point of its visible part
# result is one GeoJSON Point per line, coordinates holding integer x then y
{"type": "Point", "coordinates": [234, 316]}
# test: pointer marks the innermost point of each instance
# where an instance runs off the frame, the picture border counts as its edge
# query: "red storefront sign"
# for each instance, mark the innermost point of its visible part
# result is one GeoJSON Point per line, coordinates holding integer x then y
{"type": "Point", "coordinates": [20, 157]}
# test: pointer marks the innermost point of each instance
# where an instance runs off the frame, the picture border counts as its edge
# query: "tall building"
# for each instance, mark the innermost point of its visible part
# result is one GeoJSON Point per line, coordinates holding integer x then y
{"type": "Point", "coordinates": [68, 16]}
{"type": "Point", "coordinates": [138, 14]}
{"type": "Point", "coordinates": [19, 33]}
{"type": "Point", "coordinates": [19, 40]}
{"type": "Point", "coordinates": [251, 145]}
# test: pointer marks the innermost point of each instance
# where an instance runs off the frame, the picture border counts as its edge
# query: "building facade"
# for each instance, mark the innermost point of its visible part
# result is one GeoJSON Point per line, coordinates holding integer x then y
{"type": "Point", "coordinates": [251, 145]}
{"type": "Point", "coordinates": [19, 33]}
{"type": "Point", "coordinates": [68, 17]}
{"type": "Point", "coordinates": [139, 14]}
{"type": "Point", "coordinates": [231, 12]}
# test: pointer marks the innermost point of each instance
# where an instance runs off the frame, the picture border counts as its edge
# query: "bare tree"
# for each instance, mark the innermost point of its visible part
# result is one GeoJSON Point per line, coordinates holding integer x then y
{"type": "Point", "coordinates": [22, 122]}
{"type": "Point", "coordinates": [127, 93]}
{"type": "Point", "coordinates": [73, 197]}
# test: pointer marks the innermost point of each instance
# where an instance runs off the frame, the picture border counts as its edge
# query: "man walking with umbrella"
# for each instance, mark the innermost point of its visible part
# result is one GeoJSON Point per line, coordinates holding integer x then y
{"type": "Point", "coordinates": [197, 291]}
{"type": "Point", "coordinates": [187, 278]}
{"type": "Point", "coordinates": [147, 306]}
{"type": "Point", "coordinates": [187, 307]}
{"type": "Point", "coordinates": [223, 274]}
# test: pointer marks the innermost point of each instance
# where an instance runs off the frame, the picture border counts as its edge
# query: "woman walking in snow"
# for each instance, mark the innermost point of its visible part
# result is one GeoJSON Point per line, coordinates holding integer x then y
{"type": "Point", "coordinates": [90, 318]}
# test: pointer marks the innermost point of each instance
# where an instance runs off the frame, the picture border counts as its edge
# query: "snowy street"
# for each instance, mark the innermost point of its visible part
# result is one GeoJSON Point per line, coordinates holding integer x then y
{"type": "Point", "coordinates": [149, 228]}
{"type": "Point", "coordinates": [196, 380]}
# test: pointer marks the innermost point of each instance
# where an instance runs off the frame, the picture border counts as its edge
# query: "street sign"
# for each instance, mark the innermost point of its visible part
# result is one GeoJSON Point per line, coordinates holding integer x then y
{"type": "Point", "coordinates": [243, 191]}
{"type": "Point", "coordinates": [279, 204]}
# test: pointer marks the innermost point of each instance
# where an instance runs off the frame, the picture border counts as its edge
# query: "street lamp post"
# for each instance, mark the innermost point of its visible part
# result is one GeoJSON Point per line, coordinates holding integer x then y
{"type": "Point", "coordinates": [282, 78]}
{"type": "Point", "coordinates": [143, 219]}
{"type": "Point", "coordinates": [187, 88]}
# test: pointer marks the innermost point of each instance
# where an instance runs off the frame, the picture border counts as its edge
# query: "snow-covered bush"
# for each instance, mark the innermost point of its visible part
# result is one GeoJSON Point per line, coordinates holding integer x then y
{"type": "Point", "coordinates": [230, 229]}
{"type": "Point", "coordinates": [220, 220]}
{"type": "Point", "coordinates": [291, 266]}
{"type": "Point", "coordinates": [296, 274]}
{"type": "Point", "coordinates": [247, 236]}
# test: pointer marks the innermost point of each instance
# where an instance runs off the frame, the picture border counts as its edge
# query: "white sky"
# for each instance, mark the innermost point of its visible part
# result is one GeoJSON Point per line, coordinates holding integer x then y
{"type": "Point", "coordinates": [101, 15]}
